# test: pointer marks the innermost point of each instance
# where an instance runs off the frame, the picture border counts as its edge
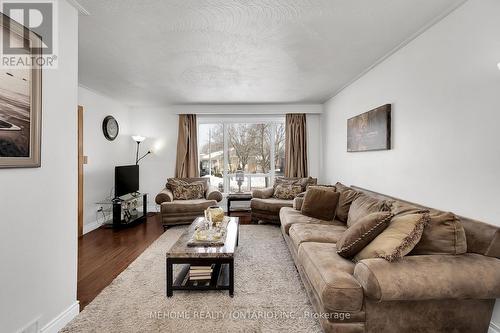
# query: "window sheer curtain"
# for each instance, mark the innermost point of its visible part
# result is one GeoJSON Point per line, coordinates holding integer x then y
{"type": "Point", "coordinates": [187, 147]}
{"type": "Point", "coordinates": [296, 145]}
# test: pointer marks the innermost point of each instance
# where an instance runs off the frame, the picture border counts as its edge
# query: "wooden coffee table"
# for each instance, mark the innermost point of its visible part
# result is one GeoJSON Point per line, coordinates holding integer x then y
{"type": "Point", "coordinates": [222, 257]}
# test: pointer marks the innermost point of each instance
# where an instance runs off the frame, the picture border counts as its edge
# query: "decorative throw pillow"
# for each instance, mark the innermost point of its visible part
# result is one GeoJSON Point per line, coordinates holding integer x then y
{"type": "Point", "coordinates": [183, 181]}
{"type": "Point", "coordinates": [444, 234]}
{"type": "Point", "coordinates": [398, 239]}
{"type": "Point", "coordinates": [320, 203]}
{"type": "Point", "coordinates": [188, 191]}
{"type": "Point", "coordinates": [303, 182]}
{"type": "Point", "coordinates": [287, 192]}
{"type": "Point", "coordinates": [355, 238]}
{"type": "Point", "coordinates": [347, 196]}
{"type": "Point", "coordinates": [364, 205]}
{"type": "Point", "coordinates": [324, 187]}
{"type": "Point", "coordinates": [308, 181]}
{"type": "Point", "coordinates": [173, 182]}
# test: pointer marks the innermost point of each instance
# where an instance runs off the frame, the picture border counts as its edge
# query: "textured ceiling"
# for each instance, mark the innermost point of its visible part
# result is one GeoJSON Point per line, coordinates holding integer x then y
{"type": "Point", "coordinates": [154, 52]}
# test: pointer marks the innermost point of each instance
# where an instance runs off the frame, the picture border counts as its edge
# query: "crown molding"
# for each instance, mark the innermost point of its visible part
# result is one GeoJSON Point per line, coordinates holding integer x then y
{"type": "Point", "coordinates": [79, 7]}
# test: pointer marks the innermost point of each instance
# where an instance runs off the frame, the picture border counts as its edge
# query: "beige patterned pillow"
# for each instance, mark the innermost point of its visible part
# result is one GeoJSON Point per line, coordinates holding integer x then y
{"type": "Point", "coordinates": [171, 182]}
{"type": "Point", "coordinates": [356, 237]}
{"type": "Point", "coordinates": [287, 192]}
{"type": "Point", "coordinates": [398, 239]}
{"type": "Point", "coordinates": [303, 182]}
{"type": "Point", "coordinates": [188, 191]}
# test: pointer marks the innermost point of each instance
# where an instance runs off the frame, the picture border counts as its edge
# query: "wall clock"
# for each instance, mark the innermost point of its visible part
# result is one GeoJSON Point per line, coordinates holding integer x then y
{"type": "Point", "coordinates": [110, 128]}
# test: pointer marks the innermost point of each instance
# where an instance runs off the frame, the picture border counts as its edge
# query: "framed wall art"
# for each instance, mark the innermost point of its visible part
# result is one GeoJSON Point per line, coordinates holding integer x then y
{"type": "Point", "coordinates": [20, 101]}
{"type": "Point", "coordinates": [370, 130]}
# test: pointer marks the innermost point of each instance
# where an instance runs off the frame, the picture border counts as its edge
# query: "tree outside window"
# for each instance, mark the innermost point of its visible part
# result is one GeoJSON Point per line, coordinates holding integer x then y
{"type": "Point", "coordinates": [255, 148]}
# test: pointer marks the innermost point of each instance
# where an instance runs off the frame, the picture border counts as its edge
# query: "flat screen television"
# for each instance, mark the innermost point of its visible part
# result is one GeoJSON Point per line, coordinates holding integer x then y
{"type": "Point", "coordinates": [126, 179]}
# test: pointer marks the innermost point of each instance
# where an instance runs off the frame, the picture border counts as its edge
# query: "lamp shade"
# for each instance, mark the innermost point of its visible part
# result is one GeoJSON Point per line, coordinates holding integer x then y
{"type": "Point", "coordinates": [240, 176]}
{"type": "Point", "coordinates": [138, 138]}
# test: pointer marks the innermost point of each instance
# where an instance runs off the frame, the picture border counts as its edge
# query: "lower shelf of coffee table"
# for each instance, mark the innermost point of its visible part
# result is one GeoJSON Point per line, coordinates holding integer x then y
{"type": "Point", "coordinates": [219, 280]}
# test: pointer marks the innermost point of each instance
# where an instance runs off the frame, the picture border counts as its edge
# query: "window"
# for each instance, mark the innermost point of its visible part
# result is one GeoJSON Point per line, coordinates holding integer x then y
{"type": "Point", "coordinates": [255, 147]}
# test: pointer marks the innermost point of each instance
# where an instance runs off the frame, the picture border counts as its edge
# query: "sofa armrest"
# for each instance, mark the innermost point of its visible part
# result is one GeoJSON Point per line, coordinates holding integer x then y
{"type": "Point", "coordinates": [164, 196]}
{"type": "Point", "coordinates": [297, 203]}
{"type": "Point", "coordinates": [213, 194]}
{"type": "Point", "coordinates": [430, 277]}
{"type": "Point", "coordinates": [264, 193]}
{"type": "Point", "coordinates": [301, 194]}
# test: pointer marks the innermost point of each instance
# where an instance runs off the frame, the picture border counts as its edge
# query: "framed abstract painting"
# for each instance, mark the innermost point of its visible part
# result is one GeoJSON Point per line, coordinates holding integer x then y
{"type": "Point", "coordinates": [370, 130]}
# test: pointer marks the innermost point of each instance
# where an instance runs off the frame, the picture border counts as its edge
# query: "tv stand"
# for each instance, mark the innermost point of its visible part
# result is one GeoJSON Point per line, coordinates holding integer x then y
{"type": "Point", "coordinates": [125, 211]}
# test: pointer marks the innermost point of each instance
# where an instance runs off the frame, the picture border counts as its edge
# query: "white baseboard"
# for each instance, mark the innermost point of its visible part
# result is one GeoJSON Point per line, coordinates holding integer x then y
{"type": "Point", "coordinates": [91, 226]}
{"type": "Point", "coordinates": [494, 328]}
{"type": "Point", "coordinates": [58, 323]}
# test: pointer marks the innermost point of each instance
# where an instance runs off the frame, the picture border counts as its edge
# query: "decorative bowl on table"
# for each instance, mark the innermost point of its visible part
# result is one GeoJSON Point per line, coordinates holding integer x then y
{"type": "Point", "coordinates": [216, 213]}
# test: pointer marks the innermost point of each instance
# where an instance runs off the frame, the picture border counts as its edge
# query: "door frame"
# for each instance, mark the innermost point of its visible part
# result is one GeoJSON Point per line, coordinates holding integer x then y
{"type": "Point", "coordinates": [81, 162]}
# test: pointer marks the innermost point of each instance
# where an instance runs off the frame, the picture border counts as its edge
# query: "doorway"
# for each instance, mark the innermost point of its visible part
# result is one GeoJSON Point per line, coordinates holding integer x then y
{"type": "Point", "coordinates": [81, 162]}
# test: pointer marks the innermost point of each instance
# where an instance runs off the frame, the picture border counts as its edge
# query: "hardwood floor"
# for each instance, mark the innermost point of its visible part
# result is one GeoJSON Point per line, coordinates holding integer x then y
{"type": "Point", "coordinates": [104, 253]}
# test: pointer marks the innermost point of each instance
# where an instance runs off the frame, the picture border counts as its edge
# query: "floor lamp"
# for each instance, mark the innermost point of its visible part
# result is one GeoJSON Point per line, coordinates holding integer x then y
{"type": "Point", "coordinates": [139, 139]}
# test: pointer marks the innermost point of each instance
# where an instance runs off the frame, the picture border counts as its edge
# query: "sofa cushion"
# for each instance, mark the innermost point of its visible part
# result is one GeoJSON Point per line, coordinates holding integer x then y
{"type": "Point", "coordinates": [331, 277]}
{"type": "Point", "coordinates": [324, 187]}
{"type": "Point", "coordinates": [362, 233]}
{"type": "Point", "coordinates": [188, 191]}
{"type": "Point", "coordinates": [187, 206]}
{"type": "Point", "coordinates": [263, 193]}
{"type": "Point", "coordinates": [313, 232]}
{"type": "Point", "coordinates": [290, 216]}
{"type": "Point", "coordinates": [444, 234]}
{"type": "Point", "coordinates": [398, 239]}
{"type": "Point", "coordinates": [303, 182]}
{"type": "Point", "coordinates": [320, 203]}
{"type": "Point", "coordinates": [297, 203]}
{"type": "Point", "coordinates": [271, 205]}
{"type": "Point", "coordinates": [204, 180]}
{"type": "Point", "coordinates": [347, 196]}
{"type": "Point", "coordinates": [430, 277]}
{"type": "Point", "coordinates": [286, 192]}
{"type": "Point", "coordinates": [364, 205]}
{"type": "Point", "coordinates": [401, 208]}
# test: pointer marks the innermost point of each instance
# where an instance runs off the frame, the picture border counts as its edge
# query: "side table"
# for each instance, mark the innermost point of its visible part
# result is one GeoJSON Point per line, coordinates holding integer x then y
{"type": "Point", "coordinates": [237, 197]}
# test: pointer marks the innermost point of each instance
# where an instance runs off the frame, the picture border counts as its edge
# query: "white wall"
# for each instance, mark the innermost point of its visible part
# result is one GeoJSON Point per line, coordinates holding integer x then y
{"type": "Point", "coordinates": [159, 126]}
{"type": "Point", "coordinates": [103, 155]}
{"type": "Point", "coordinates": [445, 91]}
{"type": "Point", "coordinates": [38, 229]}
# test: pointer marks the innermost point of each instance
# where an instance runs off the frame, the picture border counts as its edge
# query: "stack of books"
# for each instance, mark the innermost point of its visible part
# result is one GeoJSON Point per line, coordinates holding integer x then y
{"type": "Point", "coordinates": [200, 273]}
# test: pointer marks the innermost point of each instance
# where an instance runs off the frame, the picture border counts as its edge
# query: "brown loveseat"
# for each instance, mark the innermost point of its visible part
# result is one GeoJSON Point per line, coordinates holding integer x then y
{"type": "Point", "coordinates": [418, 293]}
{"type": "Point", "coordinates": [175, 212]}
{"type": "Point", "coordinates": [265, 207]}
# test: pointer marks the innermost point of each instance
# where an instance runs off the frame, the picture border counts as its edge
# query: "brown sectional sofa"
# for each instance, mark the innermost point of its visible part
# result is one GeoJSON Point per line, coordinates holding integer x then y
{"type": "Point", "coordinates": [265, 207]}
{"type": "Point", "coordinates": [419, 293]}
{"type": "Point", "coordinates": [175, 212]}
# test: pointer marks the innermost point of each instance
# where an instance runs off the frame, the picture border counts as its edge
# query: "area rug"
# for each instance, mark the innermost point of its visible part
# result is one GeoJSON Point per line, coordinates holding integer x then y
{"type": "Point", "coordinates": [268, 295]}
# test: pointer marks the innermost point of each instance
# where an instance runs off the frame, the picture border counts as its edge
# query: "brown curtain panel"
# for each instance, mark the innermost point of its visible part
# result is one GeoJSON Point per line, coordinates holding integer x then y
{"type": "Point", "coordinates": [296, 146]}
{"type": "Point", "coordinates": [187, 147]}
